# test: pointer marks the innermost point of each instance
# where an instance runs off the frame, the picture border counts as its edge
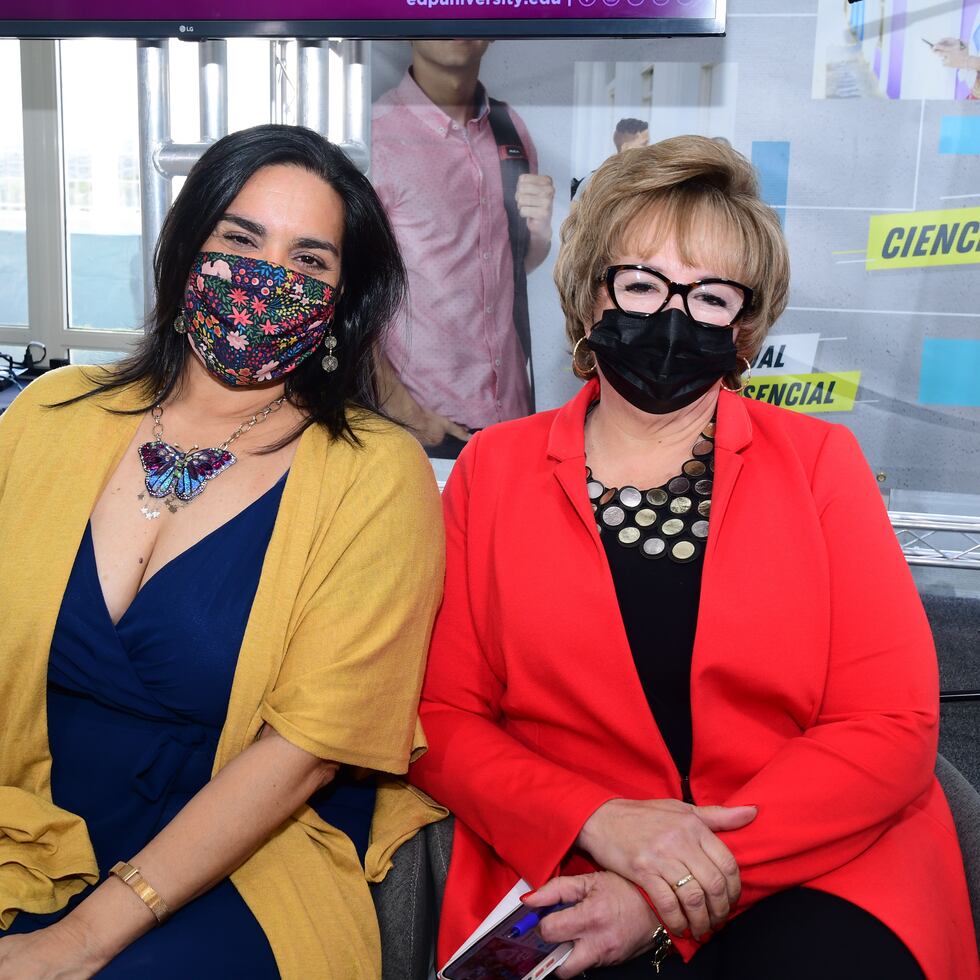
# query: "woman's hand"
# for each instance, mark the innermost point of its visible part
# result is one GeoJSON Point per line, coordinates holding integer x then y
{"type": "Point", "coordinates": [955, 54]}
{"type": "Point", "coordinates": [58, 952]}
{"type": "Point", "coordinates": [430, 428]}
{"type": "Point", "coordinates": [609, 923]}
{"type": "Point", "coordinates": [658, 843]}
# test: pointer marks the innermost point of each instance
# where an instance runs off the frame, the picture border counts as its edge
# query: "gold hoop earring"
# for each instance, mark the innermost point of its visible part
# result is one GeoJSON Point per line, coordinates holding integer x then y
{"type": "Point", "coordinates": [744, 376]}
{"type": "Point", "coordinates": [585, 373]}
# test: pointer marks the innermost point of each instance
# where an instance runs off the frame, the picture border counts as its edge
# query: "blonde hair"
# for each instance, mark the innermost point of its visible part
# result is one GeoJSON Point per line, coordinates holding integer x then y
{"type": "Point", "coordinates": [701, 194]}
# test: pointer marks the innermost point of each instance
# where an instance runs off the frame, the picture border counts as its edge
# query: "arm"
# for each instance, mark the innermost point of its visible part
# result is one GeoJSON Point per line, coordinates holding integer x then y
{"type": "Point", "coordinates": [832, 791]}
{"type": "Point", "coordinates": [469, 752]}
{"type": "Point", "coordinates": [217, 830]}
{"type": "Point", "coordinates": [535, 201]}
{"type": "Point", "coordinates": [430, 428]}
{"type": "Point", "coordinates": [955, 54]}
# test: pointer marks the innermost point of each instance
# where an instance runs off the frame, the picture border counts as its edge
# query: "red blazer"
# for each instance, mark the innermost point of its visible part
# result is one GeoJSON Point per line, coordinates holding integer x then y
{"type": "Point", "coordinates": [813, 683]}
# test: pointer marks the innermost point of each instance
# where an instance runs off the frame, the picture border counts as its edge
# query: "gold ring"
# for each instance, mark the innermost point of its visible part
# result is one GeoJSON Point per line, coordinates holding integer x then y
{"type": "Point", "coordinates": [684, 881]}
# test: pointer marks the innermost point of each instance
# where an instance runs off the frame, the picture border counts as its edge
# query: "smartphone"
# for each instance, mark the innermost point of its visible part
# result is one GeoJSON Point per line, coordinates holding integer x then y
{"type": "Point", "coordinates": [508, 951]}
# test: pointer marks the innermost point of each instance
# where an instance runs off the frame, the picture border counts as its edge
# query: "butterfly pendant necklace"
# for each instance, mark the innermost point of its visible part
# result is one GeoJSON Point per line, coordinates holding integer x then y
{"type": "Point", "coordinates": [176, 477]}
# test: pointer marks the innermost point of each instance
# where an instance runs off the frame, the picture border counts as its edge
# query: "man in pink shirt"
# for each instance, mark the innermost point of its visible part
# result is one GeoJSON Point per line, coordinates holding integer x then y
{"type": "Point", "coordinates": [454, 361]}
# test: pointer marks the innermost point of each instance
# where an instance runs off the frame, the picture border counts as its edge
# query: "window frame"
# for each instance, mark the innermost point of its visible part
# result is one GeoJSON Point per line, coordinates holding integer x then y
{"type": "Point", "coordinates": [48, 270]}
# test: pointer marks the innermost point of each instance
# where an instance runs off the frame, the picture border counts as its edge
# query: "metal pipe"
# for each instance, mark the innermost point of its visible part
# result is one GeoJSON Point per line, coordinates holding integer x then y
{"type": "Point", "coordinates": [275, 110]}
{"type": "Point", "coordinates": [213, 64]}
{"type": "Point", "coordinates": [312, 71]}
{"type": "Point", "coordinates": [357, 103]}
{"type": "Point", "coordinates": [177, 159]}
{"type": "Point", "coordinates": [911, 559]}
{"type": "Point", "coordinates": [934, 522]}
{"type": "Point", "coordinates": [153, 96]}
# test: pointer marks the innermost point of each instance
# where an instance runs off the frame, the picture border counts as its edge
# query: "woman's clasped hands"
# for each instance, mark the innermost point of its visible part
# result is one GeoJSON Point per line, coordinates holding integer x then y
{"type": "Point", "coordinates": [667, 848]}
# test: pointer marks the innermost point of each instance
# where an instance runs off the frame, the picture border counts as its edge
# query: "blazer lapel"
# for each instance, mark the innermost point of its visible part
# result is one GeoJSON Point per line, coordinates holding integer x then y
{"type": "Point", "coordinates": [566, 446]}
{"type": "Point", "coordinates": [734, 434]}
{"type": "Point", "coordinates": [717, 604]}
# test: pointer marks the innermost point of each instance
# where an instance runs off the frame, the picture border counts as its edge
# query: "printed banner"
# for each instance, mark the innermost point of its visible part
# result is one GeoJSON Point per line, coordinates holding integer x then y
{"type": "Point", "coordinates": [831, 392]}
{"type": "Point", "coordinates": [922, 238]}
{"type": "Point", "coordinates": [897, 49]}
{"type": "Point", "coordinates": [787, 353]}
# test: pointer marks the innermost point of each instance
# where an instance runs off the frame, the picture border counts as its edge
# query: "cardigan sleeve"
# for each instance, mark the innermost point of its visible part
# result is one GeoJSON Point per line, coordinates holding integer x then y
{"type": "Point", "coordinates": [45, 853]}
{"type": "Point", "coordinates": [349, 686]}
{"type": "Point", "coordinates": [19, 415]}
{"type": "Point", "coordinates": [528, 809]}
{"type": "Point", "coordinates": [10, 428]}
{"type": "Point", "coordinates": [835, 789]}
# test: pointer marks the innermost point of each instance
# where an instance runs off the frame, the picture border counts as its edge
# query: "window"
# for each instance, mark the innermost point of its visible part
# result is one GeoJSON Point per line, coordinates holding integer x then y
{"type": "Point", "coordinates": [102, 211]}
{"type": "Point", "coordinates": [102, 161]}
{"type": "Point", "coordinates": [13, 211]}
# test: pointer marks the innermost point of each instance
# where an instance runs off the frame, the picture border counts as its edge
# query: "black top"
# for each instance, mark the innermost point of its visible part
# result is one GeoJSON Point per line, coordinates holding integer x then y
{"type": "Point", "coordinates": [655, 542]}
{"type": "Point", "coordinates": [658, 601]}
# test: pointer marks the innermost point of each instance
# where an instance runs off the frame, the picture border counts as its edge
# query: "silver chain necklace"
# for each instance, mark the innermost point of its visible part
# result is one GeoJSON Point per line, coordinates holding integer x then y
{"type": "Point", "coordinates": [176, 477]}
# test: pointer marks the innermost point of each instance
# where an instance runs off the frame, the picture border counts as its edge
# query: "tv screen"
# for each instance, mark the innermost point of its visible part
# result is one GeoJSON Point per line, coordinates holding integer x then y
{"type": "Point", "coordinates": [360, 18]}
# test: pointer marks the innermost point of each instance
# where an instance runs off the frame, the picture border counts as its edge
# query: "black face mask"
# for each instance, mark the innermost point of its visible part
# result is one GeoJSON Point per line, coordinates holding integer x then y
{"type": "Point", "coordinates": [662, 362]}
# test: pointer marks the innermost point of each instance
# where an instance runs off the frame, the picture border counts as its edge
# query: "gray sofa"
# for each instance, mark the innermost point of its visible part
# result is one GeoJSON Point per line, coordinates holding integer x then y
{"type": "Point", "coordinates": [409, 899]}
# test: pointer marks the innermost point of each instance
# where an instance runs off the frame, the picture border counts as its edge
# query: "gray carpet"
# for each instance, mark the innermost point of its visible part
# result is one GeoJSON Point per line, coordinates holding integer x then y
{"type": "Point", "coordinates": [956, 626]}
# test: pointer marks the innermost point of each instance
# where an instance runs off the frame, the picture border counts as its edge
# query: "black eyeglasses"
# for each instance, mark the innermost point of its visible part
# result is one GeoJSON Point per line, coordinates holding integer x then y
{"type": "Point", "coordinates": [639, 291]}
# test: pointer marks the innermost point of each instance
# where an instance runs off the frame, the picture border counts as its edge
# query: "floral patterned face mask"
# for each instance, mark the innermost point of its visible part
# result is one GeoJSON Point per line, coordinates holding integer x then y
{"type": "Point", "coordinates": [252, 321]}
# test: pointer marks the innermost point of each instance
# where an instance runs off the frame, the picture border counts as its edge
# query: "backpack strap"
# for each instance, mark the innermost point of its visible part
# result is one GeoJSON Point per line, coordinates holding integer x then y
{"type": "Point", "coordinates": [514, 162]}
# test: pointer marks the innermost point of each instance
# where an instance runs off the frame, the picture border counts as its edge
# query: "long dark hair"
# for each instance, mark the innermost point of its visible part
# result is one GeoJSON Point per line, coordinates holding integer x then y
{"type": "Point", "coordinates": [372, 278]}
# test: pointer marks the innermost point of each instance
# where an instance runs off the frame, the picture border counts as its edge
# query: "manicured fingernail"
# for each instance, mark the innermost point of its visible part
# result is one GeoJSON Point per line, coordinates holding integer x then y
{"type": "Point", "coordinates": [528, 894]}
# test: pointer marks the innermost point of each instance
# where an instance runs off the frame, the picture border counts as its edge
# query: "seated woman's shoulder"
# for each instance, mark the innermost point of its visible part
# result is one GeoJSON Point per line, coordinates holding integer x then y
{"type": "Point", "coordinates": [379, 442]}
{"type": "Point", "coordinates": [64, 383]}
{"type": "Point", "coordinates": [528, 434]}
{"type": "Point", "coordinates": [801, 424]}
{"type": "Point", "coordinates": [55, 387]}
{"type": "Point", "coordinates": [811, 439]}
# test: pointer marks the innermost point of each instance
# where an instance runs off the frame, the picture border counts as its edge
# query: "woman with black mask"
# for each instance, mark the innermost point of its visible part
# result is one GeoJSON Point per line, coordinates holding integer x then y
{"type": "Point", "coordinates": [219, 566]}
{"type": "Point", "coordinates": [681, 677]}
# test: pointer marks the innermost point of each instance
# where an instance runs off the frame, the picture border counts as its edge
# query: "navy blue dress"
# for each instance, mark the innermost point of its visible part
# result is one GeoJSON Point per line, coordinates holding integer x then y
{"type": "Point", "coordinates": [135, 711]}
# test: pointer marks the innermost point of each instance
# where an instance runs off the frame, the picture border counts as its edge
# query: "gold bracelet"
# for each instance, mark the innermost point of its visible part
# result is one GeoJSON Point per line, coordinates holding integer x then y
{"type": "Point", "coordinates": [146, 892]}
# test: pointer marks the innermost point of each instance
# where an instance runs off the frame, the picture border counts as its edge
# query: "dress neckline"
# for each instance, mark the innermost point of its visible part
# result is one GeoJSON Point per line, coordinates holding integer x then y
{"type": "Point", "coordinates": [168, 566]}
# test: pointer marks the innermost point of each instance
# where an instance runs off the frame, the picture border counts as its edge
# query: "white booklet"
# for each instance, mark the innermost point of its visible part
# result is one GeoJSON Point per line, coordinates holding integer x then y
{"type": "Point", "coordinates": [502, 950]}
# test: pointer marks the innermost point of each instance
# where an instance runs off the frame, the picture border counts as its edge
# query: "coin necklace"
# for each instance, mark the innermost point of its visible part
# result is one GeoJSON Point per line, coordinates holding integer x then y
{"type": "Point", "coordinates": [670, 520]}
{"type": "Point", "coordinates": [176, 477]}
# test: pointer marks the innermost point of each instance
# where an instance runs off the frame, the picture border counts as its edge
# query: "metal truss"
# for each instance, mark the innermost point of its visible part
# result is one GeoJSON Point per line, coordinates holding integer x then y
{"type": "Point", "coordinates": [938, 540]}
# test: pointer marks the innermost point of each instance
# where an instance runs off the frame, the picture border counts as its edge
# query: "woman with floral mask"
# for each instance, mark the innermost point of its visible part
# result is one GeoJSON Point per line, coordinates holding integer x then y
{"type": "Point", "coordinates": [681, 677]}
{"type": "Point", "coordinates": [219, 567]}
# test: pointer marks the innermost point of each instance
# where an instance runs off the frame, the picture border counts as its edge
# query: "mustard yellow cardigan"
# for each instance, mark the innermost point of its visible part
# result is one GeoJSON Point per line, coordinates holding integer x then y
{"type": "Point", "coordinates": [332, 658]}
